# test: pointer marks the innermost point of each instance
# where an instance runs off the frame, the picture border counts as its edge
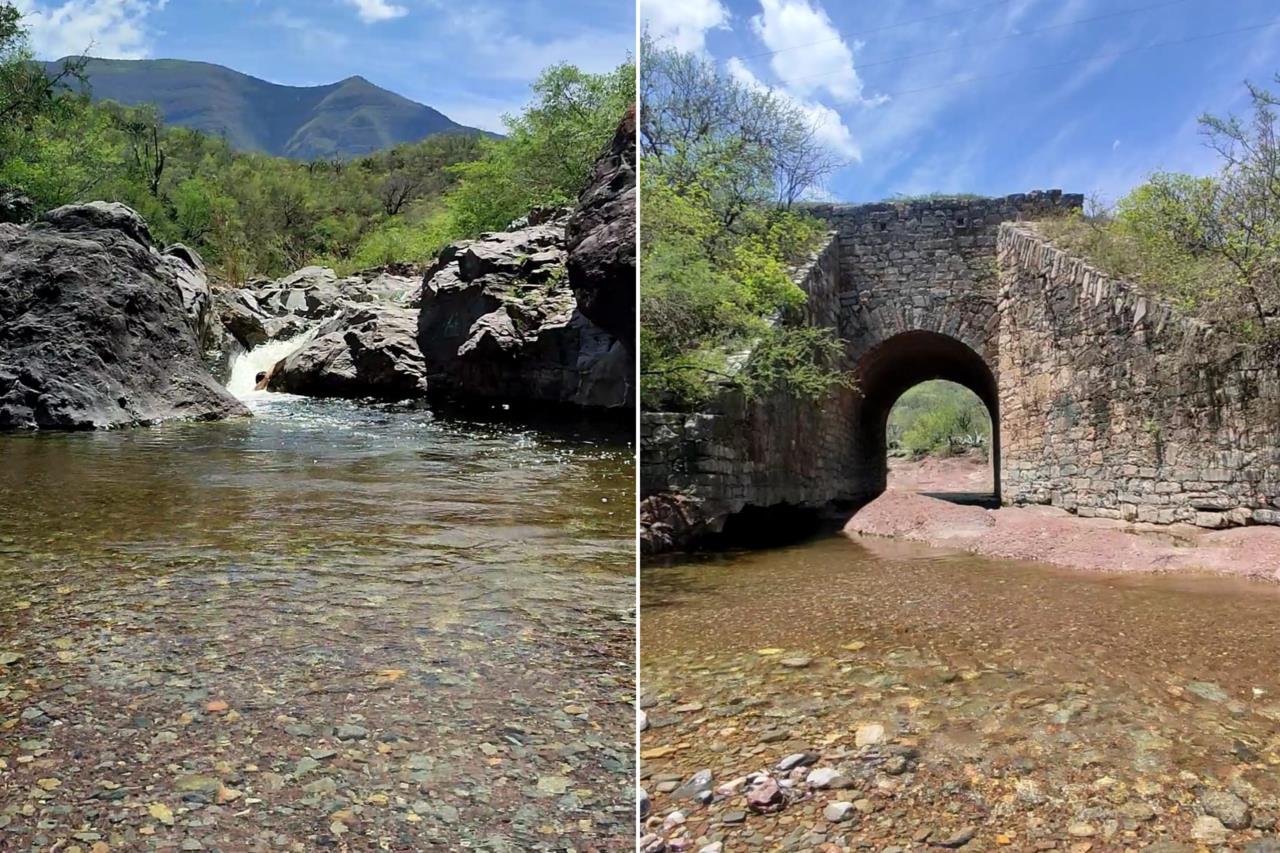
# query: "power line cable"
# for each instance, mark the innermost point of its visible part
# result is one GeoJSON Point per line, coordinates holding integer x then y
{"type": "Point", "coordinates": [1076, 61]}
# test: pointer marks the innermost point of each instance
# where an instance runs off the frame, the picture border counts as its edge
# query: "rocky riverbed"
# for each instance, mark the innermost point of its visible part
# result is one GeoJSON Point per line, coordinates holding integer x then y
{"type": "Point", "coordinates": [842, 696]}
{"type": "Point", "coordinates": [326, 627]}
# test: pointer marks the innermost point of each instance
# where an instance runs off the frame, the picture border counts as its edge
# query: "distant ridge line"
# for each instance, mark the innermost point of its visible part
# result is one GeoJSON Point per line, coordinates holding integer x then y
{"type": "Point", "coordinates": [348, 118]}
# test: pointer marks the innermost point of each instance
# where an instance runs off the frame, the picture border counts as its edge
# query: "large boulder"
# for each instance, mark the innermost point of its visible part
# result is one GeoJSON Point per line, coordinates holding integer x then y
{"type": "Point", "coordinates": [311, 292]}
{"type": "Point", "coordinates": [363, 352]}
{"type": "Point", "coordinates": [601, 238]}
{"type": "Point", "coordinates": [99, 328]}
{"type": "Point", "coordinates": [498, 321]}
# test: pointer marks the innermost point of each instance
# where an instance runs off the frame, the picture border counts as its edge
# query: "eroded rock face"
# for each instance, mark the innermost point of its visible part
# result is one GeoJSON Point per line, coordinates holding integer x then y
{"type": "Point", "coordinates": [267, 310]}
{"type": "Point", "coordinates": [98, 328]}
{"type": "Point", "coordinates": [498, 321]}
{"type": "Point", "coordinates": [601, 238]}
{"type": "Point", "coordinates": [363, 352]}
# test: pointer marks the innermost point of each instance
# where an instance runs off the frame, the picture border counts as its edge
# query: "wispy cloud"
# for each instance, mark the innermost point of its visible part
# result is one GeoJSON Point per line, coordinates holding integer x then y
{"type": "Point", "coordinates": [808, 55]}
{"type": "Point", "coordinates": [829, 128]}
{"type": "Point", "coordinates": [310, 35]}
{"type": "Point", "coordinates": [373, 11]}
{"type": "Point", "coordinates": [684, 24]}
{"type": "Point", "coordinates": [115, 29]}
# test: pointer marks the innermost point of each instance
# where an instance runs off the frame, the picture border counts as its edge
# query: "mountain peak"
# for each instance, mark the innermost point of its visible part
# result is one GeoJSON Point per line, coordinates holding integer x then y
{"type": "Point", "coordinates": [302, 122]}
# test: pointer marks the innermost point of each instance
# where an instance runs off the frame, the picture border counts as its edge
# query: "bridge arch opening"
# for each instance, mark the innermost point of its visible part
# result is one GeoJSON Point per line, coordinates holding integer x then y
{"type": "Point", "coordinates": [902, 362]}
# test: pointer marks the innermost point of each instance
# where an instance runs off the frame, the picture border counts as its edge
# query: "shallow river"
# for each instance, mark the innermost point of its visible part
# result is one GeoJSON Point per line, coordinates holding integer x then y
{"type": "Point", "coordinates": [960, 701]}
{"type": "Point", "coordinates": [325, 627]}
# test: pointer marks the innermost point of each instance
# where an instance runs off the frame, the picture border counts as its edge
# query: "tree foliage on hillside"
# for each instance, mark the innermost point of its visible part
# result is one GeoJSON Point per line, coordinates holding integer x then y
{"type": "Point", "coordinates": [938, 418]}
{"type": "Point", "coordinates": [1209, 244]}
{"type": "Point", "coordinates": [722, 162]}
{"type": "Point", "coordinates": [253, 214]}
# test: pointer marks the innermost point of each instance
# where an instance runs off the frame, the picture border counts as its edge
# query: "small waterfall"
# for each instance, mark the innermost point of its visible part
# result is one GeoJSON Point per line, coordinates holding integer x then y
{"type": "Point", "coordinates": [247, 365]}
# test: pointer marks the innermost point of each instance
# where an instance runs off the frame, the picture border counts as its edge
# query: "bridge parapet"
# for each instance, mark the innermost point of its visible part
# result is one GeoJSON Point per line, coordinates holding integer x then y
{"type": "Point", "coordinates": [1115, 405]}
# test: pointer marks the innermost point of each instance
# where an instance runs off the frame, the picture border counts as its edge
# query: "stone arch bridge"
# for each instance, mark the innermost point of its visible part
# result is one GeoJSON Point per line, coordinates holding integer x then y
{"type": "Point", "coordinates": [1102, 401]}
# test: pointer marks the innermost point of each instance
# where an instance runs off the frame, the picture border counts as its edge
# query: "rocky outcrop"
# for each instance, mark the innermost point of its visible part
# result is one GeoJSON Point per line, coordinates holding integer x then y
{"type": "Point", "coordinates": [99, 328]}
{"type": "Point", "coordinates": [601, 238]}
{"type": "Point", "coordinates": [670, 522]}
{"type": "Point", "coordinates": [364, 352]}
{"type": "Point", "coordinates": [498, 321]}
{"type": "Point", "coordinates": [281, 309]}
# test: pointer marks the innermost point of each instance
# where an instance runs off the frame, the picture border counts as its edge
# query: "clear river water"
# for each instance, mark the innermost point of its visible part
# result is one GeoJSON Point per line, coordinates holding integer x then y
{"type": "Point", "coordinates": [962, 702]}
{"type": "Point", "coordinates": [329, 626]}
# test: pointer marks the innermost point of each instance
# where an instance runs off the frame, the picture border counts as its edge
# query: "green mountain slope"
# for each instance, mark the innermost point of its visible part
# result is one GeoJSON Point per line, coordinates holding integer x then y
{"type": "Point", "coordinates": [344, 119]}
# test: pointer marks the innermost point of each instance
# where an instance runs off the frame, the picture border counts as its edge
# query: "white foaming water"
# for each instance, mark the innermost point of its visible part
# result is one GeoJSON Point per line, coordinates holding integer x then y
{"type": "Point", "coordinates": [246, 366]}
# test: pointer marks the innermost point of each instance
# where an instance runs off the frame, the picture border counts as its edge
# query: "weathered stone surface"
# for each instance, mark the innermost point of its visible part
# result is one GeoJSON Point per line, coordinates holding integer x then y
{"type": "Point", "coordinates": [1113, 405]}
{"type": "Point", "coordinates": [1105, 403]}
{"type": "Point", "coordinates": [100, 329]}
{"type": "Point", "coordinates": [243, 318]}
{"type": "Point", "coordinates": [498, 322]}
{"type": "Point", "coordinates": [267, 310]}
{"type": "Point", "coordinates": [669, 521]}
{"type": "Point", "coordinates": [601, 238]}
{"type": "Point", "coordinates": [367, 351]}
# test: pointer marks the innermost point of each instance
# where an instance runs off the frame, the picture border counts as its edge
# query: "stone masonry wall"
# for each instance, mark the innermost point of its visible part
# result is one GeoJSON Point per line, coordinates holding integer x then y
{"type": "Point", "coordinates": [1108, 404]}
{"type": "Point", "coordinates": [926, 265]}
{"type": "Point", "coordinates": [765, 452]}
{"type": "Point", "coordinates": [1112, 405]}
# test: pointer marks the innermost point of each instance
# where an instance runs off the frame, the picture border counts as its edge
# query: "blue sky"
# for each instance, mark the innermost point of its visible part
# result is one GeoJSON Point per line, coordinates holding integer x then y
{"type": "Point", "coordinates": [472, 61]}
{"type": "Point", "coordinates": [1056, 95]}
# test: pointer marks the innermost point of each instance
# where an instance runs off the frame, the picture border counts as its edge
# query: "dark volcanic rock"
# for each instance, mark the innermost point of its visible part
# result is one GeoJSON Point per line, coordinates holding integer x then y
{"type": "Point", "coordinates": [365, 352]}
{"type": "Point", "coordinates": [100, 329]}
{"type": "Point", "coordinates": [242, 317]}
{"type": "Point", "coordinates": [499, 322]}
{"type": "Point", "coordinates": [601, 238]}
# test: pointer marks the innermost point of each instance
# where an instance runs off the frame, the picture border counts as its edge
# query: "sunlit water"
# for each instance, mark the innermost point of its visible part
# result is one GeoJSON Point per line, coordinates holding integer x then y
{"type": "Point", "coordinates": [190, 615]}
{"type": "Point", "coordinates": [1048, 708]}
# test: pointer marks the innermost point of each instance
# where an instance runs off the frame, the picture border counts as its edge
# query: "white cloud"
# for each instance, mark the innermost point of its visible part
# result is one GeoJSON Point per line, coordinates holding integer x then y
{"type": "Point", "coordinates": [810, 54]}
{"type": "Point", "coordinates": [114, 29]}
{"type": "Point", "coordinates": [312, 37]}
{"type": "Point", "coordinates": [829, 127]}
{"type": "Point", "coordinates": [499, 49]}
{"type": "Point", "coordinates": [372, 11]}
{"type": "Point", "coordinates": [684, 24]}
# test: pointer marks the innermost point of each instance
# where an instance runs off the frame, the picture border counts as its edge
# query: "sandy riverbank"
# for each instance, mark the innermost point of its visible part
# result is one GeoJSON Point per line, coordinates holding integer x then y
{"type": "Point", "coordinates": [1049, 535]}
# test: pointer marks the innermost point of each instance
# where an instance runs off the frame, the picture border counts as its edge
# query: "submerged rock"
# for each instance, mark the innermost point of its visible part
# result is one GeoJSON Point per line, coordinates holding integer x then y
{"type": "Point", "coordinates": [364, 352]}
{"type": "Point", "coordinates": [99, 328]}
{"type": "Point", "coordinates": [669, 522]}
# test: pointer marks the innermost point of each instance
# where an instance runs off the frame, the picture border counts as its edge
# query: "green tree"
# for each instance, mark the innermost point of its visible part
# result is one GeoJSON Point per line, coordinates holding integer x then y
{"type": "Point", "coordinates": [1211, 244]}
{"type": "Point", "coordinates": [720, 166]}
{"type": "Point", "coordinates": [548, 152]}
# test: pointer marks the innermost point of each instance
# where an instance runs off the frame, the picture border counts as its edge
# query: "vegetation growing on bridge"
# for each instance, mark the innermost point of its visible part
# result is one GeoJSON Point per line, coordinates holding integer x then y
{"type": "Point", "coordinates": [1209, 244]}
{"type": "Point", "coordinates": [251, 214]}
{"type": "Point", "coordinates": [722, 164]}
